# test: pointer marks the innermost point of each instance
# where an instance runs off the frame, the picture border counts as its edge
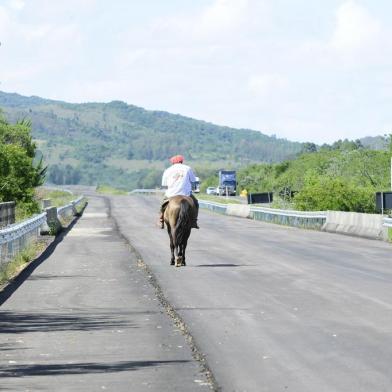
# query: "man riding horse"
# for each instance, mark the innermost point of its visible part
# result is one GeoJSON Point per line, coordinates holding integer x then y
{"type": "Point", "coordinates": [178, 179]}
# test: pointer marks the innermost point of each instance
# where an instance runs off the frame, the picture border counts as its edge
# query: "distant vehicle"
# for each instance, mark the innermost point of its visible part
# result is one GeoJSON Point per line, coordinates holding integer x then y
{"type": "Point", "coordinates": [227, 183]}
{"type": "Point", "coordinates": [211, 190]}
{"type": "Point", "coordinates": [196, 185]}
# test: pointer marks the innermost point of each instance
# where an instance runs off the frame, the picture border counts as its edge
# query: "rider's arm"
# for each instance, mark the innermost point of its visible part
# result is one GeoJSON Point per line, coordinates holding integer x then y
{"type": "Point", "coordinates": [191, 176]}
{"type": "Point", "coordinates": [164, 180]}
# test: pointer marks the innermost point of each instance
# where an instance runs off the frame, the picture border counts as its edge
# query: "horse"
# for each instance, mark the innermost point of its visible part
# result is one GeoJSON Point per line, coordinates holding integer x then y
{"type": "Point", "coordinates": [178, 217]}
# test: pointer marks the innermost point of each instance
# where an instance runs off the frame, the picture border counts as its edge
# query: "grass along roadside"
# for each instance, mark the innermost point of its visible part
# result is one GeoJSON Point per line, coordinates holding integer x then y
{"type": "Point", "coordinates": [11, 269]}
{"type": "Point", "coordinates": [217, 199]}
{"type": "Point", "coordinates": [58, 197]}
{"type": "Point", "coordinates": [109, 190]}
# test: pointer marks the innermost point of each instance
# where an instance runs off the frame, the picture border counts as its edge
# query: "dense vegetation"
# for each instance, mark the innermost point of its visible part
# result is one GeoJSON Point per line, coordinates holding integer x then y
{"type": "Point", "coordinates": [343, 177]}
{"type": "Point", "coordinates": [127, 146]}
{"type": "Point", "coordinates": [19, 174]}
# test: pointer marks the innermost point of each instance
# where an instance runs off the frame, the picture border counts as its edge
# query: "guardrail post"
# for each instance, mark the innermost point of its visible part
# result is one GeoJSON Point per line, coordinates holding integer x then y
{"type": "Point", "coordinates": [74, 211]}
{"type": "Point", "coordinates": [52, 220]}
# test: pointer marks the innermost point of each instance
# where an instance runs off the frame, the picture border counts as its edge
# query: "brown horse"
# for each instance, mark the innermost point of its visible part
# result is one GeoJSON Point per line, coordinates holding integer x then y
{"type": "Point", "coordinates": [178, 217]}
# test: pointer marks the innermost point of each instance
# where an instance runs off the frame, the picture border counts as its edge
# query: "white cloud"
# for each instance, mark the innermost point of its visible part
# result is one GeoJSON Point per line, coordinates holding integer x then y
{"type": "Point", "coordinates": [16, 4]}
{"type": "Point", "coordinates": [223, 16]}
{"type": "Point", "coordinates": [5, 21]}
{"type": "Point", "coordinates": [223, 22]}
{"type": "Point", "coordinates": [295, 68]}
{"type": "Point", "coordinates": [355, 27]}
{"type": "Point", "coordinates": [267, 84]}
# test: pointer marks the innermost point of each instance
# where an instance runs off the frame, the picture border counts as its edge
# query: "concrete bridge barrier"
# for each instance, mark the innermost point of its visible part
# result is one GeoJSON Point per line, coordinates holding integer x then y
{"type": "Point", "coordinates": [240, 210]}
{"type": "Point", "coordinates": [356, 224]}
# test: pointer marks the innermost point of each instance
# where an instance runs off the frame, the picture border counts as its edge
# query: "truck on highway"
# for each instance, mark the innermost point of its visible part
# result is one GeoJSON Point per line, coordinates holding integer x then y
{"type": "Point", "coordinates": [227, 183]}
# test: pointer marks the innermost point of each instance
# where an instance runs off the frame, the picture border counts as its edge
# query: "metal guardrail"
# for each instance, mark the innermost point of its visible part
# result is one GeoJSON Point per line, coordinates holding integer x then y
{"type": "Point", "coordinates": [16, 237]}
{"type": "Point", "coordinates": [387, 222]}
{"type": "Point", "coordinates": [292, 213]}
{"type": "Point", "coordinates": [304, 219]}
{"type": "Point", "coordinates": [213, 206]}
{"type": "Point", "coordinates": [69, 209]}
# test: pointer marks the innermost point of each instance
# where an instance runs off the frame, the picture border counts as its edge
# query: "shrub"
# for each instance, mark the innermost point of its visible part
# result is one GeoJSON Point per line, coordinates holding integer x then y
{"type": "Point", "coordinates": [321, 193]}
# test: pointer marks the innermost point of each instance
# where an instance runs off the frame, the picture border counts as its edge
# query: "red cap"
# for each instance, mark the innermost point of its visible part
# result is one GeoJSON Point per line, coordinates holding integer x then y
{"type": "Point", "coordinates": [177, 159]}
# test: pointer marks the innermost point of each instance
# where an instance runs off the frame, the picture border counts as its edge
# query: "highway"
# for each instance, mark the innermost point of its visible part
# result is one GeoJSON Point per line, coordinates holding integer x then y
{"type": "Point", "coordinates": [275, 308]}
{"type": "Point", "coordinates": [262, 307]}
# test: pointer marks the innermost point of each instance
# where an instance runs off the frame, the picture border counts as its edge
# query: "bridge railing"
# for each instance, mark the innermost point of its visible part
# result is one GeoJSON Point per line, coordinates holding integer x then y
{"type": "Point", "coordinates": [212, 206]}
{"type": "Point", "coordinates": [306, 219]}
{"type": "Point", "coordinates": [69, 209]}
{"type": "Point", "coordinates": [313, 219]}
{"type": "Point", "coordinates": [387, 222]}
{"type": "Point", "coordinates": [16, 237]}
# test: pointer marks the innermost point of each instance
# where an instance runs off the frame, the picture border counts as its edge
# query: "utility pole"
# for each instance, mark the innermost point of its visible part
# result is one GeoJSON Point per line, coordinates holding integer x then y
{"type": "Point", "coordinates": [388, 139]}
{"type": "Point", "coordinates": [390, 152]}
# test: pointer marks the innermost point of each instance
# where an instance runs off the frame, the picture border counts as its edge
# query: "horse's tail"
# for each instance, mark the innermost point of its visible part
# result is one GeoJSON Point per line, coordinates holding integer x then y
{"type": "Point", "coordinates": [184, 221]}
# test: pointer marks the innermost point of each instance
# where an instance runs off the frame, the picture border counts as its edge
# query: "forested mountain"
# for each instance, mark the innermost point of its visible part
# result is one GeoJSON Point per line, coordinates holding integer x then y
{"type": "Point", "coordinates": [125, 145]}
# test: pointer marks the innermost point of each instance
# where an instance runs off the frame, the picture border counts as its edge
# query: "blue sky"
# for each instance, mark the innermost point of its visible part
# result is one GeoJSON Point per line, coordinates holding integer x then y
{"type": "Point", "coordinates": [303, 70]}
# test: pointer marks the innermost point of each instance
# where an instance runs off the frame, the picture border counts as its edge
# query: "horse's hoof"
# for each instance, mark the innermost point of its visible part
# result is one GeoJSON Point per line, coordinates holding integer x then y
{"type": "Point", "coordinates": [179, 261]}
{"type": "Point", "coordinates": [172, 263]}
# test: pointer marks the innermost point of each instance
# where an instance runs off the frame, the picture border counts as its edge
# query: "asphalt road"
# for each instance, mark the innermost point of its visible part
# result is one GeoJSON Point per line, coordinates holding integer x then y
{"type": "Point", "coordinates": [85, 318]}
{"type": "Point", "coordinates": [275, 308]}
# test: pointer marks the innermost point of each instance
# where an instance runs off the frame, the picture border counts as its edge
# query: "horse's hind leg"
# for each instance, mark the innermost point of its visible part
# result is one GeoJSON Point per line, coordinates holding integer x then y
{"type": "Point", "coordinates": [171, 247]}
{"type": "Point", "coordinates": [183, 246]}
{"type": "Point", "coordinates": [180, 259]}
{"type": "Point", "coordinates": [178, 256]}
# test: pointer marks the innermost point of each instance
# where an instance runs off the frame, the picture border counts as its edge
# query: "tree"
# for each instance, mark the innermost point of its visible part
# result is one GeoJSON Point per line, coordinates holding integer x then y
{"type": "Point", "coordinates": [129, 153]}
{"type": "Point", "coordinates": [308, 148]}
{"type": "Point", "coordinates": [18, 173]}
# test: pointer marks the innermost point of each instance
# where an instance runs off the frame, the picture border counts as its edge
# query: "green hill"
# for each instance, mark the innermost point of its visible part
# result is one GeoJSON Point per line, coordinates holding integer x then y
{"type": "Point", "coordinates": [128, 146]}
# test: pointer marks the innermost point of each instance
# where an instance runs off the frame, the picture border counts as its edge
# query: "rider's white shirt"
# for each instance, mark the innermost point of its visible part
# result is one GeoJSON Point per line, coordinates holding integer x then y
{"type": "Point", "coordinates": [178, 178]}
